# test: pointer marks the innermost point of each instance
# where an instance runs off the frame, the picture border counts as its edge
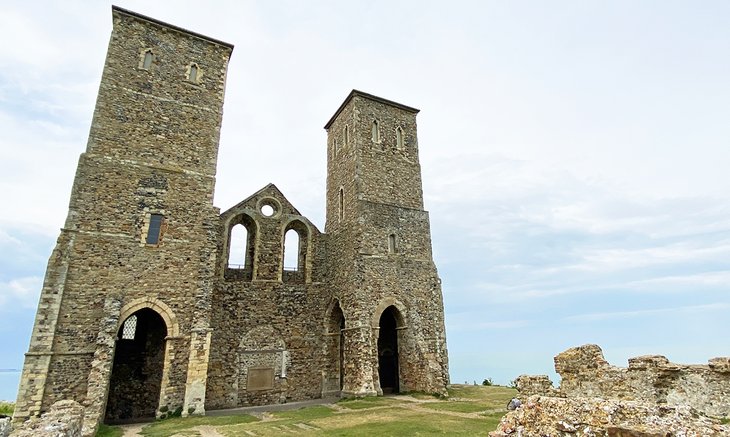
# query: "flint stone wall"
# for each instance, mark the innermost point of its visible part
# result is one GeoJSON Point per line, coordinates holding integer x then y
{"type": "Point", "coordinates": [652, 379]}
{"type": "Point", "coordinates": [576, 417]}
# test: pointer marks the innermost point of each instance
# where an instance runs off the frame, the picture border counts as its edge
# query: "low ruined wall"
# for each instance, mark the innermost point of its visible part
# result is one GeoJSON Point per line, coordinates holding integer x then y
{"type": "Point", "coordinates": [592, 417]}
{"type": "Point", "coordinates": [63, 420]}
{"type": "Point", "coordinates": [528, 385]}
{"type": "Point", "coordinates": [651, 378]}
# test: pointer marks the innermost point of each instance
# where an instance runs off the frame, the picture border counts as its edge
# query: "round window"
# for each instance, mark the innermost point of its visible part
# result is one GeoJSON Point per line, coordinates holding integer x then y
{"type": "Point", "coordinates": [267, 210]}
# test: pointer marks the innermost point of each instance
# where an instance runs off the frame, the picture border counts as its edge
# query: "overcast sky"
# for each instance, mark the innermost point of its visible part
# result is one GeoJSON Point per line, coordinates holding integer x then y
{"type": "Point", "coordinates": [575, 155]}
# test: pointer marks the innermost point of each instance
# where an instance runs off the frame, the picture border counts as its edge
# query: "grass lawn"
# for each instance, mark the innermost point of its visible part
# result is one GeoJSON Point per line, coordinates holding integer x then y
{"type": "Point", "coordinates": [469, 410]}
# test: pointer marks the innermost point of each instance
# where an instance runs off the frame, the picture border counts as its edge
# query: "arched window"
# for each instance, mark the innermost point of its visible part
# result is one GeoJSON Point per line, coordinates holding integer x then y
{"type": "Point", "coordinates": [193, 73]}
{"type": "Point", "coordinates": [341, 204]}
{"type": "Point", "coordinates": [399, 137]}
{"type": "Point", "coordinates": [294, 258]}
{"type": "Point", "coordinates": [237, 247]}
{"type": "Point", "coordinates": [291, 251]}
{"type": "Point", "coordinates": [376, 131]}
{"type": "Point", "coordinates": [241, 248]}
{"type": "Point", "coordinates": [147, 59]}
{"type": "Point", "coordinates": [391, 243]}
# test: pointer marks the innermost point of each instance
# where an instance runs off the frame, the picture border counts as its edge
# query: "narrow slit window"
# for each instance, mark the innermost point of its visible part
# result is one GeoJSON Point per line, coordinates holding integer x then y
{"type": "Point", "coordinates": [147, 60]}
{"type": "Point", "coordinates": [399, 137]}
{"type": "Point", "coordinates": [155, 228]}
{"type": "Point", "coordinates": [130, 328]}
{"type": "Point", "coordinates": [341, 204]}
{"type": "Point", "coordinates": [391, 243]}
{"type": "Point", "coordinates": [193, 73]}
{"type": "Point", "coordinates": [346, 135]}
{"type": "Point", "coordinates": [376, 131]}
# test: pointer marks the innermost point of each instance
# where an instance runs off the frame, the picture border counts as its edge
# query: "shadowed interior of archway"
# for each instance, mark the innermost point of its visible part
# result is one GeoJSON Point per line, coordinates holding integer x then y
{"type": "Point", "coordinates": [134, 386]}
{"type": "Point", "coordinates": [388, 352]}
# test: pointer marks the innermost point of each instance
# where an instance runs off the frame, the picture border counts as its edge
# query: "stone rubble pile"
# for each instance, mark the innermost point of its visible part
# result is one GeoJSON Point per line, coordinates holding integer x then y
{"type": "Point", "coordinates": [542, 416]}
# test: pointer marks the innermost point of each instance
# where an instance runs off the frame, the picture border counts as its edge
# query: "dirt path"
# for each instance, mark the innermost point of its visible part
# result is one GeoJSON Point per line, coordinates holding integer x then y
{"type": "Point", "coordinates": [132, 430]}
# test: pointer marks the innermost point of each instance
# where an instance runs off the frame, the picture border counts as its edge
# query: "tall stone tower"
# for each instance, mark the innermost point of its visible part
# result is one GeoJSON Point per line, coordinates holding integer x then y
{"type": "Point", "coordinates": [382, 267]}
{"type": "Point", "coordinates": [139, 243]}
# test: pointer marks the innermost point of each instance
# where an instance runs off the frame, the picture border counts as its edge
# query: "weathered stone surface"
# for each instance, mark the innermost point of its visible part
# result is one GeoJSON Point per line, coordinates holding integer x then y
{"type": "Point", "coordinates": [141, 312]}
{"type": "Point", "coordinates": [528, 385]}
{"type": "Point", "coordinates": [575, 417]}
{"type": "Point", "coordinates": [650, 378]}
{"type": "Point", "coordinates": [64, 419]}
{"type": "Point", "coordinates": [4, 426]}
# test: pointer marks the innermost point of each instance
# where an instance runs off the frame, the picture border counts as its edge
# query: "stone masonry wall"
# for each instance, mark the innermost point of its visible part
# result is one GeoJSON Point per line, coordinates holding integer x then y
{"type": "Point", "coordinates": [652, 379]}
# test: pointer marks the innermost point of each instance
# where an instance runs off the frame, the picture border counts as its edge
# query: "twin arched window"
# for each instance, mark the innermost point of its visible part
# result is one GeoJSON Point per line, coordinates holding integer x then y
{"type": "Point", "coordinates": [242, 248]}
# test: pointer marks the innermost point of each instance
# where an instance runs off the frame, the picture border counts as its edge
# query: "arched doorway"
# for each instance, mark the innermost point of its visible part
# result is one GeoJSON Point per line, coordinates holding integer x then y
{"type": "Point", "coordinates": [388, 370]}
{"type": "Point", "coordinates": [335, 338]}
{"type": "Point", "coordinates": [136, 379]}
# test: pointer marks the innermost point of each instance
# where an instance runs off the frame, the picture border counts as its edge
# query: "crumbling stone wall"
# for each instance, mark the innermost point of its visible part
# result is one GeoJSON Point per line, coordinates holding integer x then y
{"type": "Point", "coordinates": [594, 417]}
{"type": "Point", "coordinates": [64, 419]}
{"type": "Point", "coordinates": [651, 379]}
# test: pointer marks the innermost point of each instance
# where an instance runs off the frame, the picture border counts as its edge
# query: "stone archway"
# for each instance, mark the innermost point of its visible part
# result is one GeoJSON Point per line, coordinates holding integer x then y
{"type": "Point", "coordinates": [388, 359]}
{"type": "Point", "coordinates": [334, 366]}
{"type": "Point", "coordinates": [139, 359]}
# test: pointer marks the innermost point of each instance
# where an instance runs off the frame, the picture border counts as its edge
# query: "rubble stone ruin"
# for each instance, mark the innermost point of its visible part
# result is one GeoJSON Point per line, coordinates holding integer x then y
{"type": "Point", "coordinates": [155, 302]}
{"type": "Point", "coordinates": [652, 397]}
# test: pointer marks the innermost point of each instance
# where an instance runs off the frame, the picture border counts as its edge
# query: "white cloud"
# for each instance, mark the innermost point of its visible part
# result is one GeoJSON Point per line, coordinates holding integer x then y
{"type": "Point", "coordinates": [20, 293]}
{"type": "Point", "coordinates": [718, 306]}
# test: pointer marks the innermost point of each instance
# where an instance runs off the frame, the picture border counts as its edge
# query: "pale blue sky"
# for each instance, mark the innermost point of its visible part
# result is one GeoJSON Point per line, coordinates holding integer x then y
{"type": "Point", "coordinates": [574, 155]}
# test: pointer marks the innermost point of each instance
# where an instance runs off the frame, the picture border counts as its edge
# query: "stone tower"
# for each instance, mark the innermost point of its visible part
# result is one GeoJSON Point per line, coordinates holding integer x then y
{"type": "Point", "coordinates": [380, 250]}
{"type": "Point", "coordinates": [139, 241]}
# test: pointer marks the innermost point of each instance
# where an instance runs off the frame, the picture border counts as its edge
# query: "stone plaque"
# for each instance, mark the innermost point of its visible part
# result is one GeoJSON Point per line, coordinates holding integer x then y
{"type": "Point", "coordinates": [260, 378]}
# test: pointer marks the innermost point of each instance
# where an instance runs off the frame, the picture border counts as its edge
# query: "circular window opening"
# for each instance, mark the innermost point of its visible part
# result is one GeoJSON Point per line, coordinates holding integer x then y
{"type": "Point", "coordinates": [267, 210]}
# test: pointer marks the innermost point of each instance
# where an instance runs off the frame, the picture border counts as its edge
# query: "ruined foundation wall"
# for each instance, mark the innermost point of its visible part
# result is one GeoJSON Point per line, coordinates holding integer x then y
{"type": "Point", "coordinates": [651, 378]}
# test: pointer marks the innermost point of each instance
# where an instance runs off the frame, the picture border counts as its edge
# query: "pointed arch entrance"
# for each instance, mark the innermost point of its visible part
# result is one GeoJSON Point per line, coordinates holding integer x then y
{"type": "Point", "coordinates": [388, 362]}
{"type": "Point", "coordinates": [139, 358]}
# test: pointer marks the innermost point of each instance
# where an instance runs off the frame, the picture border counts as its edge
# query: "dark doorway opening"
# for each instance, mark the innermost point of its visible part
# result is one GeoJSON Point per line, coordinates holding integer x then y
{"type": "Point", "coordinates": [342, 350]}
{"type": "Point", "coordinates": [337, 326]}
{"type": "Point", "coordinates": [388, 352]}
{"type": "Point", "coordinates": [136, 379]}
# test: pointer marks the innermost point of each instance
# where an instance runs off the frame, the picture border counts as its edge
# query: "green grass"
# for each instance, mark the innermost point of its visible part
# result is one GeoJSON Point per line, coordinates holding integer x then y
{"type": "Point", "coordinates": [459, 407]}
{"type": "Point", "coordinates": [305, 414]}
{"type": "Point", "coordinates": [7, 408]}
{"type": "Point", "coordinates": [725, 420]}
{"type": "Point", "coordinates": [403, 417]}
{"type": "Point", "coordinates": [183, 425]}
{"type": "Point", "coordinates": [109, 431]}
{"type": "Point", "coordinates": [407, 423]}
{"type": "Point", "coordinates": [481, 408]}
{"type": "Point", "coordinates": [368, 402]}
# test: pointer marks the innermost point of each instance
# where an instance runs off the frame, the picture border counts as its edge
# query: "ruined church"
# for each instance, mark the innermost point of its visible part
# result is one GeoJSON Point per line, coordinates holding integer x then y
{"type": "Point", "coordinates": [155, 302]}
